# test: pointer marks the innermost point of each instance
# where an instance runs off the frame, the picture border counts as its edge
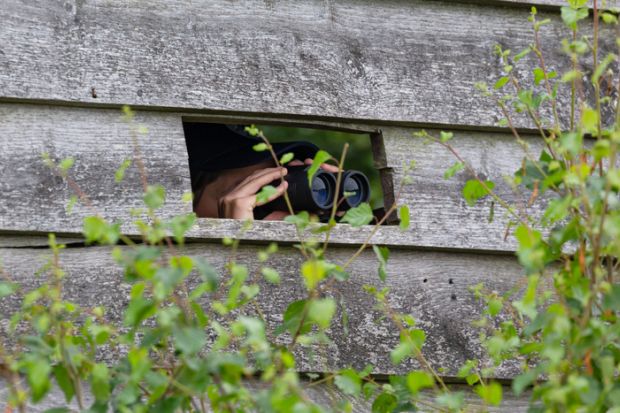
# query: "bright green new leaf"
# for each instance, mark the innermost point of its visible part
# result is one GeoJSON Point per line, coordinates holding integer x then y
{"type": "Point", "coordinates": [155, 196]}
{"type": "Point", "coordinates": [120, 172]}
{"type": "Point", "coordinates": [609, 18]}
{"type": "Point", "coordinates": [445, 136]}
{"type": "Point", "coordinates": [539, 75]}
{"type": "Point", "coordinates": [403, 215]}
{"type": "Point", "coordinates": [64, 381]}
{"type": "Point", "coordinates": [417, 380]}
{"type": "Point", "coordinates": [260, 147]}
{"type": "Point", "coordinates": [571, 142]}
{"type": "Point", "coordinates": [66, 164]}
{"type": "Point", "coordinates": [313, 272]}
{"type": "Point", "coordinates": [451, 171]}
{"type": "Point", "coordinates": [349, 382]}
{"type": "Point", "coordinates": [475, 190]}
{"type": "Point", "coordinates": [589, 120]}
{"type": "Point", "coordinates": [100, 385]}
{"type": "Point", "coordinates": [501, 82]}
{"type": "Point", "coordinates": [265, 193]}
{"type": "Point", "coordinates": [252, 130]}
{"type": "Point", "coordinates": [571, 16]}
{"type": "Point", "coordinates": [271, 275]}
{"type": "Point", "coordinates": [358, 216]}
{"type": "Point", "coordinates": [322, 311]}
{"type": "Point", "coordinates": [320, 158]}
{"type": "Point", "coordinates": [286, 158]}
{"type": "Point", "coordinates": [491, 393]}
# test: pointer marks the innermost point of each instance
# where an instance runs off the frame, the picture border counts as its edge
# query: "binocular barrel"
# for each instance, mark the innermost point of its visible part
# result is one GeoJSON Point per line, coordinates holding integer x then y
{"type": "Point", "coordinates": [320, 194]}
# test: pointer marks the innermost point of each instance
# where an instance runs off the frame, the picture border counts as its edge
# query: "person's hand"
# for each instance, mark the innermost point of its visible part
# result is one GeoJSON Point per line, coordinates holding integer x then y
{"type": "Point", "coordinates": [280, 215]}
{"type": "Point", "coordinates": [239, 203]}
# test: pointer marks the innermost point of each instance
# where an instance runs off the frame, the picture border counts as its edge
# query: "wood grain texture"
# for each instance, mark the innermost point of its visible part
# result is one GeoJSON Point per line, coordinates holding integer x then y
{"type": "Point", "coordinates": [399, 60]}
{"type": "Point", "coordinates": [325, 395]}
{"type": "Point", "coordinates": [438, 208]}
{"type": "Point", "coordinates": [431, 286]}
{"type": "Point", "coordinates": [34, 198]}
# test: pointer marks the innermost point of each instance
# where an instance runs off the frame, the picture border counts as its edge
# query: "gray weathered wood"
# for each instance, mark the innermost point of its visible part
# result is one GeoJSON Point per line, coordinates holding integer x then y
{"type": "Point", "coordinates": [19, 241]}
{"type": "Point", "coordinates": [431, 286]}
{"type": "Point", "coordinates": [405, 61]}
{"type": "Point", "coordinates": [322, 394]}
{"type": "Point", "coordinates": [439, 211]}
{"type": "Point", "coordinates": [34, 198]}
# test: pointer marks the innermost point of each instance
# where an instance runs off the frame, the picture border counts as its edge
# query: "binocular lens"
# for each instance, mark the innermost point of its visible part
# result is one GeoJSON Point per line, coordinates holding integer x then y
{"type": "Point", "coordinates": [356, 188]}
{"type": "Point", "coordinates": [323, 190]}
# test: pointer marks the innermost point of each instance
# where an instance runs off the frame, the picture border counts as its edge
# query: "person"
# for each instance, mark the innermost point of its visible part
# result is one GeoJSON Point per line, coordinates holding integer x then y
{"type": "Point", "coordinates": [227, 173]}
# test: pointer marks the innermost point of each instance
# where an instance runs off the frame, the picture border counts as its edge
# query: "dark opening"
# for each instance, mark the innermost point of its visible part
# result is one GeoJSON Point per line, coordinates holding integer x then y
{"type": "Point", "coordinates": [224, 165]}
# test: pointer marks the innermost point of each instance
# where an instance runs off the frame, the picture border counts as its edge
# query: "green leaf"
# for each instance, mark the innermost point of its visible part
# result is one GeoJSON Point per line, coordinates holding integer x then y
{"type": "Point", "coordinates": [271, 275]}
{"type": "Point", "coordinates": [358, 216]}
{"type": "Point", "coordinates": [286, 158]}
{"type": "Point", "coordinates": [320, 158]}
{"type": "Point", "coordinates": [474, 190]}
{"type": "Point", "coordinates": [571, 16]}
{"type": "Point", "coordinates": [293, 317]}
{"type": "Point", "coordinates": [451, 171]}
{"type": "Point", "coordinates": [522, 381]}
{"type": "Point", "coordinates": [265, 193]}
{"type": "Point", "coordinates": [445, 136]}
{"type": "Point", "coordinates": [539, 75]}
{"type": "Point", "coordinates": [64, 382]}
{"type": "Point", "coordinates": [66, 164]}
{"type": "Point", "coordinates": [609, 18]}
{"type": "Point", "coordinates": [301, 219]}
{"type": "Point", "coordinates": [38, 371]}
{"type": "Point", "coordinates": [452, 400]}
{"type": "Point", "coordinates": [260, 147]}
{"type": "Point", "coordinates": [572, 142]}
{"type": "Point", "coordinates": [417, 380]}
{"type": "Point", "coordinates": [96, 229]}
{"type": "Point", "coordinates": [322, 311]}
{"type": "Point", "coordinates": [119, 175]}
{"type": "Point", "coordinates": [180, 224]}
{"type": "Point", "coordinates": [403, 215]}
{"type": "Point", "coordinates": [7, 288]}
{"type": "Point", "coordinates": [100, 385]}
{"type": "Point", "coordinates": [252, 130]}
{"type": "Point", "coordinates": [501, 82]}
{"type": "Point", "coordinates": [189, 340]}
{"type": "Point", "coordinates": [491, 393]}
{"type": "Point", "coordinates": [383, 254]}
{"type": "Point", "coordinates": [154, 196]}
{"type": "Point", "coordinates": [384, 403]}
{"type": "Point", "coordinates": [589, 120]}
{"type": "Point", "coordinates": [313, 272]}
{"type": "Point", "coordinates": [207, 272]}
{"type": "Point", "coordinates": [349, 382]}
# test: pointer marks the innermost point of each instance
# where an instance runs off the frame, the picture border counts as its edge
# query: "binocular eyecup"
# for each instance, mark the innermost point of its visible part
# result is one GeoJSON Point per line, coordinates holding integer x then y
{"type": "Point", "coordinates": [319, 196]}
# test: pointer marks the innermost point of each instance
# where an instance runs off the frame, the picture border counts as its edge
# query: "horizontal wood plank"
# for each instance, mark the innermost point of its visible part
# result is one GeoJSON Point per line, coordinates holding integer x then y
{"type": "Point", "coordinates": [431, 286]}
{"type": "Point", "coordinates": [413, 62]}
{"type": "Point", "coordinates": [325, 395]}
{"type": "Point", "coordinates": [438, 209]}
{"type": "Point", "coordinates": [34, 198]}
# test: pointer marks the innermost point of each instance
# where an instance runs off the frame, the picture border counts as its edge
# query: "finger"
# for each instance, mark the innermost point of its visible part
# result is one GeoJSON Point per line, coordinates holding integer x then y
{"type": "Point", "coordinates": [251, 187]}
{"type": "Point", "coordinates": [261, 172]}
{"type": "Point", "coordinates": [239, 208]}
{"type": "Point", "coordinates": [295, 162]}
{"type": "Point", "coordinates": [324, 166]}
{"type": "Point", "coordinates": [280, 189]}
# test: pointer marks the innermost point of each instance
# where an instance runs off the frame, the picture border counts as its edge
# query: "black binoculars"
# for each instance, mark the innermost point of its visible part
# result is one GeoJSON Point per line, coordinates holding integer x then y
{"type": "Point", "coordinates": [319, 195]}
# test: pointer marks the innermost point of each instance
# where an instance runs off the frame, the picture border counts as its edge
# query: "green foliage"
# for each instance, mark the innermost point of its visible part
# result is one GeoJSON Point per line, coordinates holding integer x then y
{"type": "Point", "coordinates": [192, 336]}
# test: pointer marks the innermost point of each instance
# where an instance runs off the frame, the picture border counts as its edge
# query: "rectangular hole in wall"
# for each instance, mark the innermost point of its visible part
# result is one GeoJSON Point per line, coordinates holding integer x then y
{"type": "Point", "coordinates": [225, 170]}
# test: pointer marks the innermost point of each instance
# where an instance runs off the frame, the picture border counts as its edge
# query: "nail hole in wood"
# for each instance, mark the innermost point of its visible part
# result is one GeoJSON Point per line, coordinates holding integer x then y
{"type": "Point", "coordinates": [424, 280]}
{"type": "Point", "coordinates": [450, 281]}
{"type": "Point", "coordinates": [453, 297]}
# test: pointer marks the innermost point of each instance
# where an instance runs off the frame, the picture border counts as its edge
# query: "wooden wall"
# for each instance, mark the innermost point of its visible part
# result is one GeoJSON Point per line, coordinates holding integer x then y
{"type": "Point", "coordinates": [386, 68]}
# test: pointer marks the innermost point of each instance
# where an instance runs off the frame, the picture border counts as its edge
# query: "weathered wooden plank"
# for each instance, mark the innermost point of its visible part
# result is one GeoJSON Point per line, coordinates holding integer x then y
{"type": "Point", "coordinates": [405, 61]}
{"type": "Point", "coordinates": [20, 241]}
{"type": "Point", "coordinates": [34, 198]}
{"type": "Point", "coordinates": [431, 286]}
{"type": "Point", "coordinates": [439, 211]}
{"type": "Point", "coordinates": [325, 395]}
